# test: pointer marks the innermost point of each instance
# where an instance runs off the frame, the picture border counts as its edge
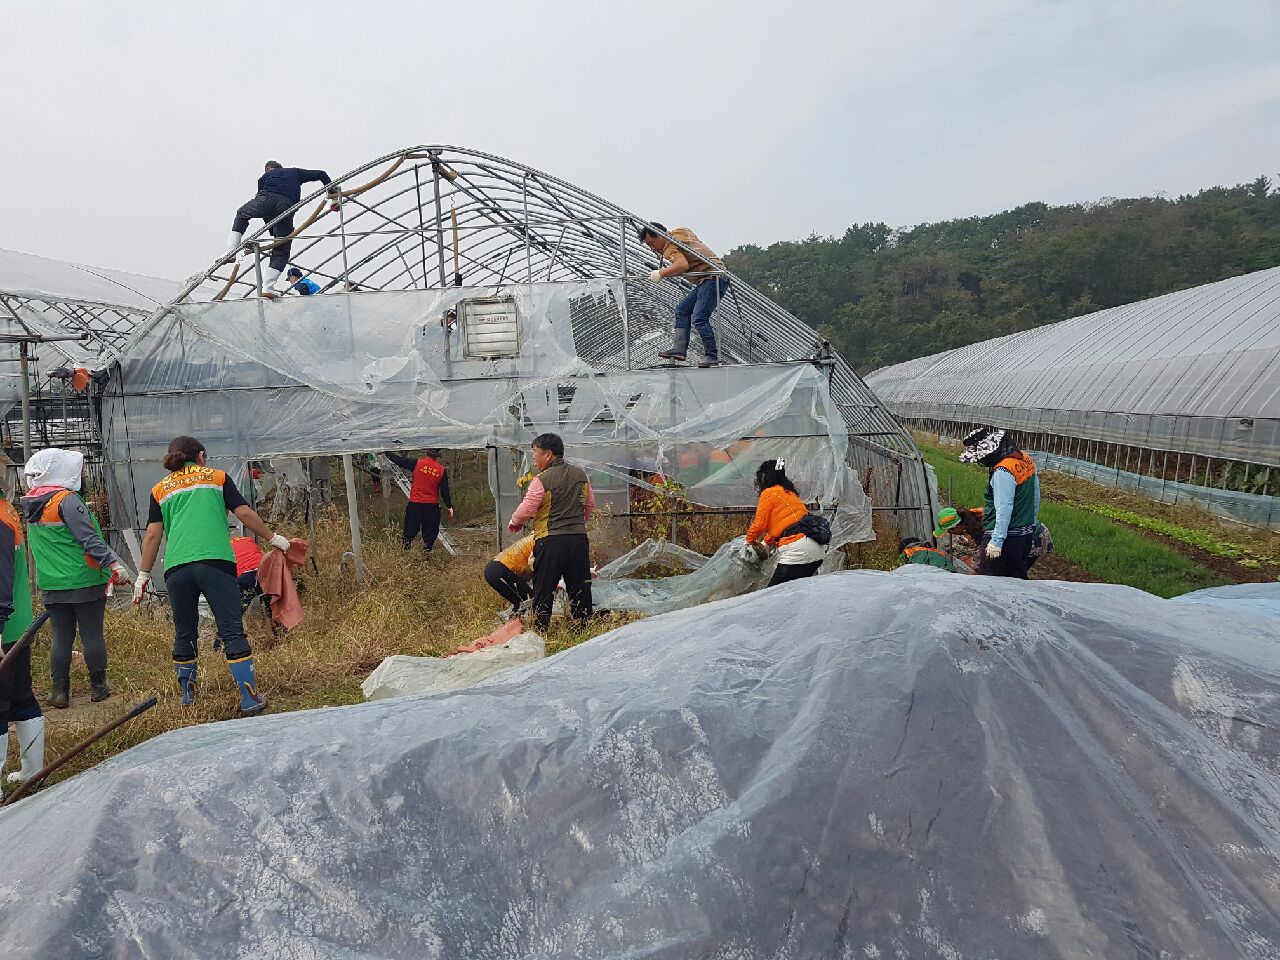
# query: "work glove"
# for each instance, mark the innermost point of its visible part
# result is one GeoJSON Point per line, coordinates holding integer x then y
{"type": "Point", "coordinates": [279, 541]}
{"type": "Point", "coordinates": [450, 509]}
{"type": "Point", "coordinates": [656, 276]}
{"type": "Point", "coordinates": [120, 574]}
{"type": "Point", "coordinates": [515, 527]}
{"type": "Point", "coordinates": [140, 587]}
{"type": "Point", "coordinates": [993, 551]}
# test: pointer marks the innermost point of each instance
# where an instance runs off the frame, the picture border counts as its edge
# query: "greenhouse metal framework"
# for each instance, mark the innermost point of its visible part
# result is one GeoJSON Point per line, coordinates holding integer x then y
{"type": "Point", "coordinates": [468, 301]}
{"type": "Point", "coordinates": [1174, 396]}
{"type": "Point", "coordinates": [56, 318]}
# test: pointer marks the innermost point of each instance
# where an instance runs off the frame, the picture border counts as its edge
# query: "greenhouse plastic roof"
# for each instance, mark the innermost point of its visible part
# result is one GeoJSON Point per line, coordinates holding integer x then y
{"type": "Point", "coordinates": [52, 298]}
{"type": "Point", "coordinates": [897, 765]}
{"type": "Point", "coordinates": [1197, 370]}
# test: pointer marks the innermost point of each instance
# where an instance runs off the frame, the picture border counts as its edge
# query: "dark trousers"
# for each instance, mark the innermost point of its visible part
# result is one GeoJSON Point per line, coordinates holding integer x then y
{"type": "Point", "coordinates": [186, 584]}
{"type": "Point", "coordinates": [266, 207]}
{"type": "Point", "coordinates": [424, 518]}
{"type": "Point", "coordinates": [65, 619]}
{"type": "Point", "coordinates": [1014, 561]}
{"type": "Point", "coordinates": [566, 555]}
{"type": "Point", "coordinates": [786, 572]}
{"type": "Point", "coordinates": [17, 699]}
{"type": "Point", "coordinates": [513, 589]}
{"type": "Point", "coordinates": [696, 308]}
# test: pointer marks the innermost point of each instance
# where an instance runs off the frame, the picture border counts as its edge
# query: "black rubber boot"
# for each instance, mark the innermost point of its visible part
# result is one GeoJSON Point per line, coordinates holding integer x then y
{"type": "Point", "coordinates": [60, 694]}
{"type": "Point", "coordinates": [679, 346]}
{"type": "Point", "coordinates": [98, 689]}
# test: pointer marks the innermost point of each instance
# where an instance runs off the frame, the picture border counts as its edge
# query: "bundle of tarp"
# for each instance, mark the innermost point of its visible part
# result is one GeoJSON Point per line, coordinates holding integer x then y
{"type": "Point", "coordinates": [907, 764]}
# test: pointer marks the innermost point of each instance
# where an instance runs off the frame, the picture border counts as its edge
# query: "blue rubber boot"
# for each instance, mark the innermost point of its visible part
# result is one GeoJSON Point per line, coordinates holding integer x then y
{"type": "Point", "coordinates": [186, 671]}
{"type": "Point", "coordinates": [242, 674]}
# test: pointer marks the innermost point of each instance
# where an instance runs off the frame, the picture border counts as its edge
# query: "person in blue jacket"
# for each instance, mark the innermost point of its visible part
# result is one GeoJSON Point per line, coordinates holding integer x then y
{"type": "Point", "coordinates": [300, 284]}
{"type": "Point", "coordinates": [279, 189]}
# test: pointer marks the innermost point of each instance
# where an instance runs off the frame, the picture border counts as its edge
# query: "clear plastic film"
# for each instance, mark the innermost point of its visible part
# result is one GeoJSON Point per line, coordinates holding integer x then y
{"type": "Point", "coordinates": [363, 372]}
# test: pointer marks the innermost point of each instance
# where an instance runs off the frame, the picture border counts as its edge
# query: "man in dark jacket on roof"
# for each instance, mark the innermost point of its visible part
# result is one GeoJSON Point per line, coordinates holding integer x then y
{"type": "Point", "coordinates": [279, 189]}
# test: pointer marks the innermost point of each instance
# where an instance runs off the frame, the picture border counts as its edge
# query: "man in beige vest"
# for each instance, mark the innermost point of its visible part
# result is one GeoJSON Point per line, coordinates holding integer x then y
{"type": "Point", "coordinates": [689, 257]}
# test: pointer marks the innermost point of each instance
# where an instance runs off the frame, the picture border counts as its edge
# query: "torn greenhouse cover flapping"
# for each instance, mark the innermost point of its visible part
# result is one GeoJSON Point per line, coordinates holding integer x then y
{"type": "Point", "coordinates": [864, 764]}
{"type": "Point", "coordinates": [340, 373]}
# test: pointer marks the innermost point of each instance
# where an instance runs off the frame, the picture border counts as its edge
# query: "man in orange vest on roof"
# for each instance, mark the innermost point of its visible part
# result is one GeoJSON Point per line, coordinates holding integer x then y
{"type": "Point", "coordinates": [430, 489]}
{"type": "Point", "coordinates": [1011, 509]}
{"type": "Point", "coordinates": [689, 257]}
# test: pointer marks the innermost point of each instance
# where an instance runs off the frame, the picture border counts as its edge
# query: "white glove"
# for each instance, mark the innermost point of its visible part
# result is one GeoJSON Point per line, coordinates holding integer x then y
{"type": "Point", "coordinates": [656, 276]}
{"type": "Point", "coordinates": [750, 553]}
{"type": "Point", "coordinates": [279, 541]}
{"type": "Point", "coordinates": [993, 551]}
{"type": "Point", "coordinates": [140, 587]}
{"type": "Point", "coordinates": [120, 574]}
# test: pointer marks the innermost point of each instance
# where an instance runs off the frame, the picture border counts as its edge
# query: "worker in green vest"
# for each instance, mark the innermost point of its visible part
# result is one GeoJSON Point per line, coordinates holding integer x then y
{"type": "Point", "coordinates": [18, 703]}
{"type": "Point", "coordinates": [1011, 507]}
{"type": "Point", "coordinates": [190, 508]}
{"type": "Point", "coordinates": [912, 551]}
{"type": "Point", "coordinates": [74, 566]}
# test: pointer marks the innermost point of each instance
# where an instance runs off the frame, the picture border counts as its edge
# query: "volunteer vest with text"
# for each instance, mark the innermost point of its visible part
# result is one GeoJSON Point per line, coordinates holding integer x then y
{"type": "Point", "coordinates": [195, 516]}
{"type": "Point", "coordinates": [22, 616]}
{"type": "Point", "coordinates": [927, 555]}
{"type": "Point", "coordinates": [426, 481]}
{"type": "Point", "coordinates": [1023, 469]}
{"type": "Point", "coordinates": [61, 563]}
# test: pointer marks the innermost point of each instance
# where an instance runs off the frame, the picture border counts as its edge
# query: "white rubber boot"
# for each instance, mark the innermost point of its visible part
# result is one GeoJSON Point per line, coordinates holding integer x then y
{"type": "Point", "coordinates": [31, 746]}
{"type": "Point", "coordinates": [234, 241]}
{"type": "Point", "coordinates": [269, 277]}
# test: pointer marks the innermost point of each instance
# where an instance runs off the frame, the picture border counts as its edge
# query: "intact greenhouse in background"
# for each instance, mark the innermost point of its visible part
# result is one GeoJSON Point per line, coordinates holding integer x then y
{"type": "Point", "coordinates": [1176, 397]}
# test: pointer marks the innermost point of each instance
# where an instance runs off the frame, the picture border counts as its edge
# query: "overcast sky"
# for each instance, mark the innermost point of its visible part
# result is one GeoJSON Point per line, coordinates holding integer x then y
{"type": "Point", "coordinates": [133, 130]}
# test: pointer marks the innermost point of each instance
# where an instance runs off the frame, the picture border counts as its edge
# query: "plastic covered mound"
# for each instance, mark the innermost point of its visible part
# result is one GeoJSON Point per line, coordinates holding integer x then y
{"type": "Point", "coordinates": [862, 765]}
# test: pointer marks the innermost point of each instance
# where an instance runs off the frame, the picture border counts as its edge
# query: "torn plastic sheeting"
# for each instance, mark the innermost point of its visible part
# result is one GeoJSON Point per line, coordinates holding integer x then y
{"type": "Point", "coordinates": [400, 675]}
{"type": "Point", "coordinates": [651, 551]}
{"type": "Point", "coordinates": [724, 574]}
{"type": "Point", "coordinates": [868, 764]}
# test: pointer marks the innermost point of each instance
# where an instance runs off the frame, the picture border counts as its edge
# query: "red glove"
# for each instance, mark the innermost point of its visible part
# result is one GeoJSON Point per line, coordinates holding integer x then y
{"type": "Point", "coordinates": [515, 527]}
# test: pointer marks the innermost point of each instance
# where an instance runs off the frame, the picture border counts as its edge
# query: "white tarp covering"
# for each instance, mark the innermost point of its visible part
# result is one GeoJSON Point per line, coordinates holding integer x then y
{"type": "Point", "coordinates": [400, 674]}
{"type": "Point", "coordinates": [866, 765]}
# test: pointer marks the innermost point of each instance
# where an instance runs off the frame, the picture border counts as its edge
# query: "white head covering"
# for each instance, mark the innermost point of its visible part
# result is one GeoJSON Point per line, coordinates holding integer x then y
{"type": "Point", "coordinates": [54, 468]}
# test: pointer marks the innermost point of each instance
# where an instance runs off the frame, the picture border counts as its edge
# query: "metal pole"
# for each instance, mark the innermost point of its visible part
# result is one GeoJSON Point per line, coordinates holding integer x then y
{"type": "Point", "coordinates": [528, 265]}
{"type": "Point", "coordinates": [257, 268]}
{"type": "Point", "coordinates": [422, 223]}
{"type": "Point", "coordinates": [435, 170]}
{"type": "Point", "coordinates": [626, 320]}
{"type": "Point", "coordinates": [342, 230]}
{"type": "Point", "coordinates": [353, 515]}
{"type": "Point", "coordinates": [24, 358]}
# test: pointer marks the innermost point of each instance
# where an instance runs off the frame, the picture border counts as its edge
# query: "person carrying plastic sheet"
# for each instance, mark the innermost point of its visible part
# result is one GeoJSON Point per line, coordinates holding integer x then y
{"type": "Point", "coordinates": [1011, 508]}
{"type": "Point", "coordinates": [300, 284]}
{"type": "Point", "coordinates": [73, 567]}
{"type": "Point", "coordinates": [279, 189]}
{"type": "Point", "coordinates": [18, 703]}
{"type": "Point", "coordinates": [189, 507]}
{"type": "Point", "coordinates": [510, 571]}
{"type": "Point", "coordinates": [780, 514]}
{"type": "Point", "coordinates": [701, 267]}
{"type": "Point", "coordinates": [429, 490]}
{"type": "Point", "coordinates": [558, 503]}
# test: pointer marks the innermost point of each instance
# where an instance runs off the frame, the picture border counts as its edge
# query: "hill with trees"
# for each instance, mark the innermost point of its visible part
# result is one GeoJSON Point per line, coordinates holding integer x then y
{"type": "Point", "coordinates": [883, 295]}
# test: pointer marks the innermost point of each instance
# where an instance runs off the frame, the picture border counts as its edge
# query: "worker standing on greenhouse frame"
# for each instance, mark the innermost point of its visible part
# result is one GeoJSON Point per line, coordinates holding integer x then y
{"type": "Point", "coordinates": [1011, 507]}
{"type": "Point", "coordinates": [689, 257]}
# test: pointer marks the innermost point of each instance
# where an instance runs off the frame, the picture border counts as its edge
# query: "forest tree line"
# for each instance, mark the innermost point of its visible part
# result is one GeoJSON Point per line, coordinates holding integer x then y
{"type": "Point", "coordinates": [883, 295]}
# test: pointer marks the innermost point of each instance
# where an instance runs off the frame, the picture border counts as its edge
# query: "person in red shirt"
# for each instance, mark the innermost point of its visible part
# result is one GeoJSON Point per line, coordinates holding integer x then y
{"type": "Point", "coordinates": [430, 489]}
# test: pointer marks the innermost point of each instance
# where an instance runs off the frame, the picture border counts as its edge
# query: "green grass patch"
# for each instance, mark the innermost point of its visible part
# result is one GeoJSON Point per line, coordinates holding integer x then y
{"type": "Point", "coordinates": [1083, 537]}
